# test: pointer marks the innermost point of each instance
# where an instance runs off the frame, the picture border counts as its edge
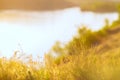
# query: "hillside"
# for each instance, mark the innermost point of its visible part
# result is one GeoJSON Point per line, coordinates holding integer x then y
{"type": "Point", "coordinates": [93, 56]}
{"type": "Point", "coordinates": [43, 5]}
{"type": "Point", "coordinates": [90, 55]}
{"type": "Point", "coordinates": [35, 4]}
{"type": "Point", "coordinates": [111, 43]}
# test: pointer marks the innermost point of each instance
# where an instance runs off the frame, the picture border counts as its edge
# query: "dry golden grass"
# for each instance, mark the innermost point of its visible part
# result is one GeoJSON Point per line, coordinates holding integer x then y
{"type": "Point", "coordinates": [81, 59]}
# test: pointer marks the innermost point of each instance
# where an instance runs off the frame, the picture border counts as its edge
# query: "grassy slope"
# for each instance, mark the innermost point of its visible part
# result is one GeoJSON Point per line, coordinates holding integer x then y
{"type": "Point", "coordinates": [97, 62]}
{"type": "Point", "coordinates": [101, 62]}
{"type": "Point", "coordinates": [112, 41]}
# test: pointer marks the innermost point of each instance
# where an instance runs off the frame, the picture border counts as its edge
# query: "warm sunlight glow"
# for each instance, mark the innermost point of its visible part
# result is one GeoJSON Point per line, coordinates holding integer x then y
{"type": "Point", "coordinates": [35, 32]}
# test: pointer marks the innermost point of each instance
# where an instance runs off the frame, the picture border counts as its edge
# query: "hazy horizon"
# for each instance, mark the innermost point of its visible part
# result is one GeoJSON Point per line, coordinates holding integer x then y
{"type": "Point", "coordinates": [35, 5]}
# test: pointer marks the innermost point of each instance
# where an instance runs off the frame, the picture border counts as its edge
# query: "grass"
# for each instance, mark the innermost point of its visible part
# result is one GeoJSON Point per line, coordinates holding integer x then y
{"type": "Point", "coordinates": [88, 56]}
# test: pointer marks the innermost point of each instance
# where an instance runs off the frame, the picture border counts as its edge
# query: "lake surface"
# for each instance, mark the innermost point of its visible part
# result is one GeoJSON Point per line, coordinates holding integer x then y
{"type": "Point", "coordinates": [35, 32]}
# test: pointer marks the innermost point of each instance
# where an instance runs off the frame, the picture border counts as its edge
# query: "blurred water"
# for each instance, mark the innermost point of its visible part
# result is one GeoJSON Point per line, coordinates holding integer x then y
{"type": "Point", "coordinates": [35, 32]}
